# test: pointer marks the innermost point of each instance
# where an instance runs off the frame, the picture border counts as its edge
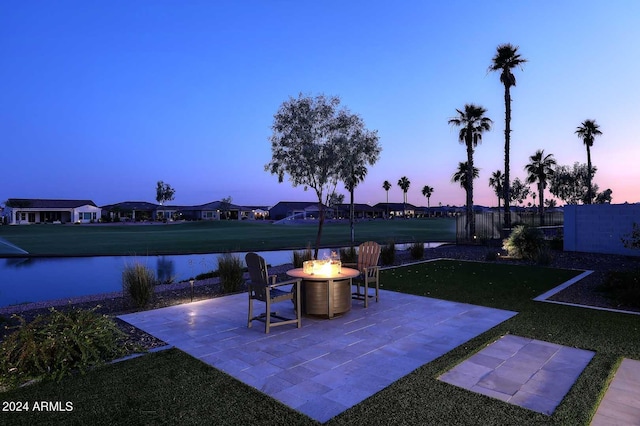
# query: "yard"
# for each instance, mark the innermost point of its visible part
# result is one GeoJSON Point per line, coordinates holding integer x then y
{"type": "Point", "coordinates": [210, 237]}
{"type": "Point", "coordinates": [171, 387]}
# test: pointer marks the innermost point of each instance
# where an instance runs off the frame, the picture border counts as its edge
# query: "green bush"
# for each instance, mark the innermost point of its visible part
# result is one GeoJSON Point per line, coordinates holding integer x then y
{"type": "Point", "coordinates": [54, 345]}
{"type": "Point", "coordinates": [388, 253]}
{"type": "Point", "coordinates": [348, 255]}
{"type": "Point", "coordinates": [299, 257]}
{"type": "Point", "coordinates": [526, 242]}
{"type": "Point", "coordinates": [417, 250]}
{"type": "Point", "coordinates": [230, 271]}
{"type": "Point", "coordinates": [623, 287]}
{"type": "Point", "coordinates": [137, 284]}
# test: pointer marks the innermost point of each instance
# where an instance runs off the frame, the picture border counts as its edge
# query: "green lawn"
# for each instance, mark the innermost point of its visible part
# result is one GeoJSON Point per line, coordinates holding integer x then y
{"type": "Point", "coordinates": [172, 388]}
{"type": "Point", "coordinates": [211, 237]}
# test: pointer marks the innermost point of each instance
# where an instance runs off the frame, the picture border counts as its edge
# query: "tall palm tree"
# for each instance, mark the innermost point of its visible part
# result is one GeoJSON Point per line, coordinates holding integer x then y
{"type": "Point", "coordinates": [472, 123]}
{"type": "Point", "coordinates": [496, 181]}
{"type": "Point", "coordinates": [404, 184]}
{"type": "Point", "coordinates": [540, 169]}
{"type": "Point", "coordinates": [506, 59]}
{"type": "Point", "coordinates": [387, 186]}
{"type": "Point", "coordinates": [427, 191]}
{"type": "Point", "coordinates": [461, 175]}
{"type": "Point", "coordinates": [587, 131]}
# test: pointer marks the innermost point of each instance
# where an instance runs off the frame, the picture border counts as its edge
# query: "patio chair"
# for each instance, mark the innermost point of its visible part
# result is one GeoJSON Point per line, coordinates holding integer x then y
{"type": "Point", "coordinates": [265, 288]}
{"type": "Point", "coordinates": [368, 255]}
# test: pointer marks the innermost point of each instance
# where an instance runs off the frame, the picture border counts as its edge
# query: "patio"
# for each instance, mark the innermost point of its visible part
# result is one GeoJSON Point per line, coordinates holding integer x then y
{"type": "Point", "coordinates": [327, 366]}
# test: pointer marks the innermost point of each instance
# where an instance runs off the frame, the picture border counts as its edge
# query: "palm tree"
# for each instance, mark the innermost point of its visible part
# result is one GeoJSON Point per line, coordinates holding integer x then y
{"type": "Point", "coordinates": [496, 181]}
{"type": "Point", "coordinates": [404, 184]}
{"type": "Point", "coordinates": [472, 123]}
{"type": "Point", "coordinates": [540, 169]}
{"type": "Point", "coordinates": [506, 59]}
{"type": "Point", "coordinates": [461, 175]}
{"type": "Point", "coordinates": [587, 132]}
{"type": "Point", "coordinates": [427, 191]}
{"type": "Point", "coordinates": [387, 186]}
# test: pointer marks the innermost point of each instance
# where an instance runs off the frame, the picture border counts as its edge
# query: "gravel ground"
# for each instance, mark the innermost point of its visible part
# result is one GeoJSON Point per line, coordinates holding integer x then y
{"type": "Point", "coordinates": [583, 292]}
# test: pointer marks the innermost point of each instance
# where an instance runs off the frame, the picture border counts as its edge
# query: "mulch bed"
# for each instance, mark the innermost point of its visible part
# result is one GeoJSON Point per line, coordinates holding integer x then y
{"type": "Point", "coordinates": [584, 292]}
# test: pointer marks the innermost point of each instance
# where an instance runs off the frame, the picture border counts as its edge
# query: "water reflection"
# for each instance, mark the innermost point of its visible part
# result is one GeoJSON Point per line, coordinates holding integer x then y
{"type": "Point", "coordinates": [24, 280]}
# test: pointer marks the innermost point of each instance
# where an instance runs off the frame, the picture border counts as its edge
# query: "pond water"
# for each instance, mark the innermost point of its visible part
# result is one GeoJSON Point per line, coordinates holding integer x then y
{"type": "Point", "coordinates": [26, 280]}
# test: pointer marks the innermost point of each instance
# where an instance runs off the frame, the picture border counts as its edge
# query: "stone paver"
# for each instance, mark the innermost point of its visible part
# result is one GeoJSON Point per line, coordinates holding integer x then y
{"type": "Point", "coordinates": [530, 373]}
{"type": "Point", "coordinates": [327, 366]}
{"type": "Point", "coordinates": [621, 402]}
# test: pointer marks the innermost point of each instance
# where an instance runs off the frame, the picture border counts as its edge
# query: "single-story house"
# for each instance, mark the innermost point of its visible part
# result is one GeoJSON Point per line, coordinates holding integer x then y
{"type": "Point", "coordinates": [217, 210]}
{"type": "Point", "coordinates": [397, 209]}
{"type": "Point", "coordinates": [34, 210]}
{"type": "Point", "coordinates": [297, 210]}
{"type": "Point", "coordinates": [129, 210]}
{"type": "Point", "coordinates": [360, 211]}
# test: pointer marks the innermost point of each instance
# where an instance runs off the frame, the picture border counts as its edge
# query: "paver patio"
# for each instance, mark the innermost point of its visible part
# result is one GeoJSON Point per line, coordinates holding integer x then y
{"type": "Point", "coordinates": [621, 402]}
{"type": "Point", "coordinates": [327, 366]}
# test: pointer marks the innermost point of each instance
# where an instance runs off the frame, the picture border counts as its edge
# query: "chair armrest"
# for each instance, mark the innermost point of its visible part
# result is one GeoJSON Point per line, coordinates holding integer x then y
{"type": "Point", "coordinates": [287, 282]}
{"type": "Point", "coordinates": [350, 265]}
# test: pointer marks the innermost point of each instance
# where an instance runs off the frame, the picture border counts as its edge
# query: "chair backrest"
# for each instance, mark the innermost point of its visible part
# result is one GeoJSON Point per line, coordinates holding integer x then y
{"type": "Point", "coordinates": [368, 254]}
{"type": "Point", "coordinates": [258, 274]}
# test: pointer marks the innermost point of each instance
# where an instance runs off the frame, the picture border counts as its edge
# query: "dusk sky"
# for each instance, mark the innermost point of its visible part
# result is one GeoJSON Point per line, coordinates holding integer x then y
{"type": "Point", "coordinates": [101, 99]}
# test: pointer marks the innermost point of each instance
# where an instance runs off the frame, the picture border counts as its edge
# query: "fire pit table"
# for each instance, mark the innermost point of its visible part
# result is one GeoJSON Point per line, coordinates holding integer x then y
{"type": "Point", "coordinates": [326, 292]}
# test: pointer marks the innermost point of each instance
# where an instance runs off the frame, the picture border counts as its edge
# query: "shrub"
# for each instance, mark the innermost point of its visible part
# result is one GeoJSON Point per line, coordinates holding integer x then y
{"type": "Point", "coordinates": [416, 250]}
{"type": "Point", "coordinates": [137, 284]}
{"type": "Point", "coordinates": [56, 344]}
{"type": "Point", "coordinates": [623, 287]}
{"type": "Point", "coordinates": [526, 243]}
{"type": "Point", "coordinates": [299, 257]}
{"type": "Point", "coordinates": [230, 271]}
{"type": "Point", "coordinates": [348, 255]}
{"type": "Point", "coordinates": [388, 253]}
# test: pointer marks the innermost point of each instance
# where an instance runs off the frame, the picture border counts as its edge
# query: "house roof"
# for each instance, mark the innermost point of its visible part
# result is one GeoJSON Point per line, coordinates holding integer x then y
{"type": "Point", "coordinates": [395, 206]}
{"type": "Point", "coordinates": [131, 205]}
{"type": "Point", "coordinates": [41, 203]}
{"type": "Point", "coordinates": [359, 207]}
{"type": "Point", "coordinates": [294, 205]}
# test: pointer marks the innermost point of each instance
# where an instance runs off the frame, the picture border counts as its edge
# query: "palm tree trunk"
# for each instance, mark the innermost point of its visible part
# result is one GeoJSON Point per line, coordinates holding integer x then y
{"type": "Point", "coordinates": [541, 202]}
{"type": "Point", "coordinates": [470, 217]}
{"type": "Point", "coordinates": [589, 195]}
{"type": "Point", "coordinates": [507, 140]}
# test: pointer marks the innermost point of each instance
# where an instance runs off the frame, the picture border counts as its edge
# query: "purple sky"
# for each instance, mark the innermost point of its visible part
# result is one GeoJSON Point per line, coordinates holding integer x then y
{"type": "Point", "coordinates": [102, 99]}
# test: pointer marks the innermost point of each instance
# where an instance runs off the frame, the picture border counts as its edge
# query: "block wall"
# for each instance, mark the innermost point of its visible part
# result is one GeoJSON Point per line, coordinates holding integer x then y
{"type": "Point", "coordinates": [599, 228]}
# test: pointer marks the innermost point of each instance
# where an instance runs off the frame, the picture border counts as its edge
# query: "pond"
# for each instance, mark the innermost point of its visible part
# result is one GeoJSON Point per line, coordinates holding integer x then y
{"type": "Point", "coordinates": [26, 280]}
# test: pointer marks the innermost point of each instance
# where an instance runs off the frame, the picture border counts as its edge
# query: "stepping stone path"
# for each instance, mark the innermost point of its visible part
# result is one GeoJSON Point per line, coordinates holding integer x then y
{"type": "Point", "coordinates": [530, 373]}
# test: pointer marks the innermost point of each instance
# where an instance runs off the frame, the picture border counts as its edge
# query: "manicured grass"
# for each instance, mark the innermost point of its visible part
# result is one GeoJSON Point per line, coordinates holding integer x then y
{"type": "Point", "coordinates": [211, 237]}
{"type": "Point", "coordinates": [173, 388]}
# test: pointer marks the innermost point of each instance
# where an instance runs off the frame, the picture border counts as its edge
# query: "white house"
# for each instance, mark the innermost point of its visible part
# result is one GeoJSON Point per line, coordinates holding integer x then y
{"type": "Point", "coordinates": [21, 211]}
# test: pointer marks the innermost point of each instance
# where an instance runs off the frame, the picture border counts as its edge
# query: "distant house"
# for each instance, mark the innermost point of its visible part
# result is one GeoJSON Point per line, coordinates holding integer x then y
{"type": "Point", "coordinates": [297, 210]}
{"type": "Point", "coordinates": [397, 209]}
{"type": "Point", "coordinates": [21, 211]}
{"type": "Point", "coordinates": [129, 211]}
{"type": "Point", "coordinates": [217, 210]}
{"type": "Point", "coordinates": [361, 211]}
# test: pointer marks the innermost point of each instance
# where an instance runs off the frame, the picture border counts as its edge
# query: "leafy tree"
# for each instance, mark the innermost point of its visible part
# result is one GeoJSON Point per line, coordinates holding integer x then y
{"type": "Point", "coordinates": [496, 181]}
{"type": "Point", "coordinates": [360, 149]}
{"type": "Point", "coordinates": [335, 200]}
{"type": "Point", "coordinates": [506, 59]}
{"type": "Point", "coordinates": [225, 206]}
{"type": "Point", "coordinates": [309, 137]}
{"type": "Point", "coordinates": [472, 123]}
{"type": "Point", "coordinates": [164, 192]}
{"type": "Point", "coordinates": [387, 186]}
{"type": "Point", "coordinates": [404, 184]}
{"type": "Point", "coordinates": [632, 239]}
{"type": "Point", "coordinates": [587, 131]}
{"type": "Point", "coordinates": [550, 203]}
{"type": "Point", "coordinates": [519, 191]}
{"type": "Point", "coordinates": [604, 197]}
{"type": "Point", "coordinates": [540, 169]}
{"type": "Point", "coordinates": [427, 191]}
{"type": "Point", "coordinates": [570, 183]}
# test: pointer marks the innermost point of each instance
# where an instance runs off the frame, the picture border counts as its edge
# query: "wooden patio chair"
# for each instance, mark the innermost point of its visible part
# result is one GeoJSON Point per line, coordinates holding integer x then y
{"type": "Point", "coordinates": [368, 255]}
{"type": "Point", "coordinates": [264, 288]}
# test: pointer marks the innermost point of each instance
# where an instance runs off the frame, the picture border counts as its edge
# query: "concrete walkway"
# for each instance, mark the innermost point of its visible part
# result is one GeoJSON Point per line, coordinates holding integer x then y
{"type": "Point", "coordinates": [327, 366]}
{"type": "Point", "coordinates": [621, 402]}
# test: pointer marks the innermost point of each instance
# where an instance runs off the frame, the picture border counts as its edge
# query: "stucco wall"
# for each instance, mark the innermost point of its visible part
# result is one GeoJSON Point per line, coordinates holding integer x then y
{"type": "Point", "coordinates": [598, 228]}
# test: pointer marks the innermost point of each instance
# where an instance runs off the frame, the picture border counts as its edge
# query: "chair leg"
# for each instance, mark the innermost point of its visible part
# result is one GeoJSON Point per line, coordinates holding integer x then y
{"type": "Point", "coordinates": [267, 320]}
{"type": "Point", "coordinates": [250, 309]}
{"type": "Point", "coordinates": [366, 292]}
